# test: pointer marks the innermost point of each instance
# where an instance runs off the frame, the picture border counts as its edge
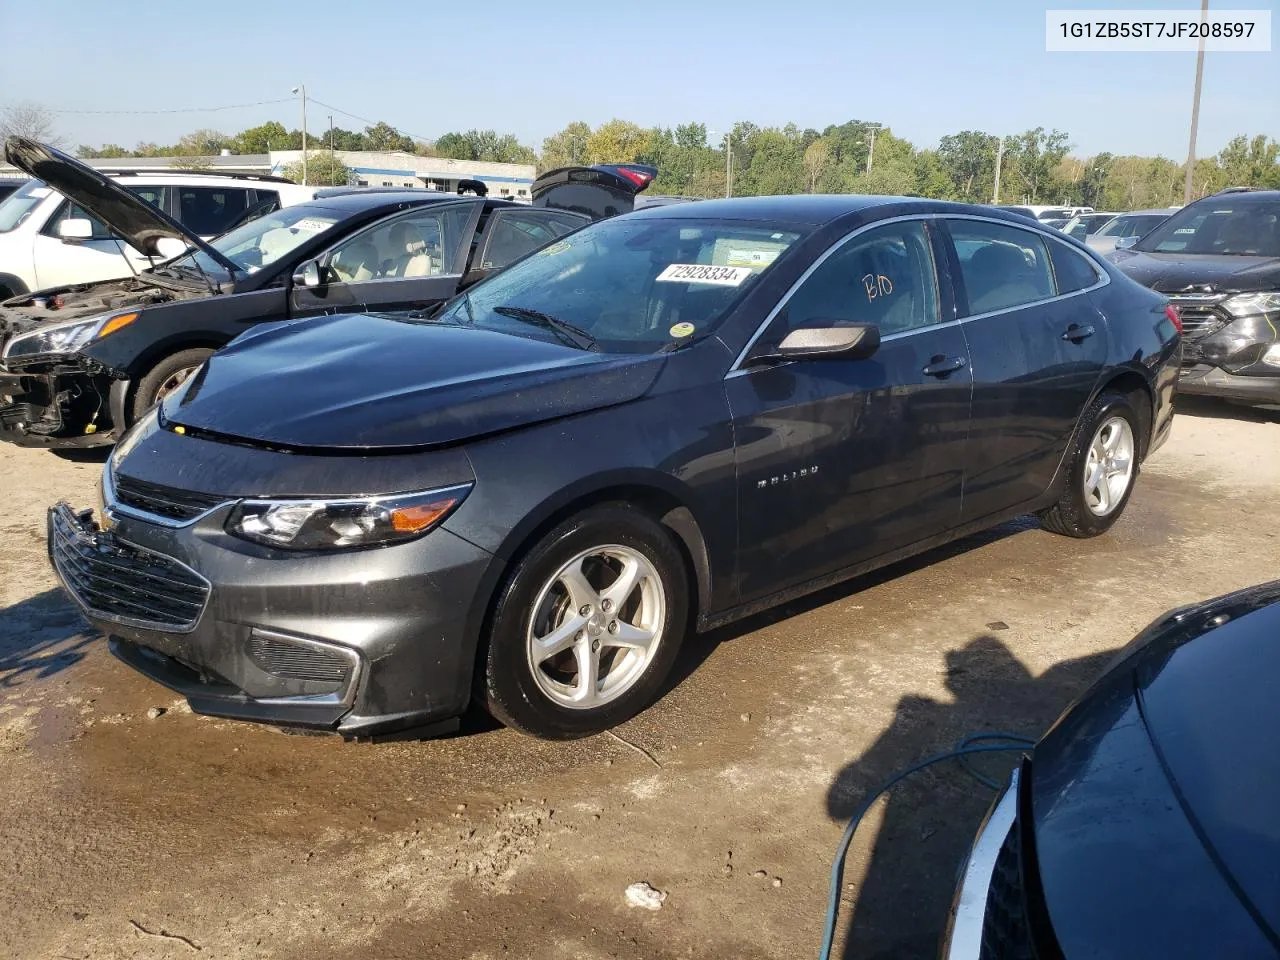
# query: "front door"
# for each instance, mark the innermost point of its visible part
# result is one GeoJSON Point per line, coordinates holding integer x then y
{"type": "Point", "coordinates": [1039, 346]}
{"type": "Point", "coordinates": [843, 460]}
{"type": "Point", "coordinates": [103, 256]}
{"type": "Point", "coordinates": [411, 261]}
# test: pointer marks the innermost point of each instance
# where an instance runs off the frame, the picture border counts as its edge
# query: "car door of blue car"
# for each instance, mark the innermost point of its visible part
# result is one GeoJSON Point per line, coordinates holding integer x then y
{"type": "Point", "coordinates": [841, 460]}
{"type": "Point", "coordinates": [1039, 345]}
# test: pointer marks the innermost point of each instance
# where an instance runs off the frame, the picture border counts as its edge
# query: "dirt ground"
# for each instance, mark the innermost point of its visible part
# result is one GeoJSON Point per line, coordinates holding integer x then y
{"type": "Point", "coordinates": [124, 836]}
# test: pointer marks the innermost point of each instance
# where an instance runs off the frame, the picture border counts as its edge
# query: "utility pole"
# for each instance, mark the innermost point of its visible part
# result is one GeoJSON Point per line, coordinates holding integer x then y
{"type": "Point", "coordinates": [995, 194]}
{"type": "Point", "coordinates": [333, 156]}
{"type": "Point", "coordinates": [303, 90]}
{"type": "Point", "coordinates": [728, 164]}
{"type": "Point", "coordinates": [1195, 111]}
{"type": "Point", "coordinates": [871, 144]}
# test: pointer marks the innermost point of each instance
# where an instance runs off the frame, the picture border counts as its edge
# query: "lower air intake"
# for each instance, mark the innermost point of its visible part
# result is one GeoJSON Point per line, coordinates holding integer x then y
{"type": "Point", "coordinates": [293, 658]}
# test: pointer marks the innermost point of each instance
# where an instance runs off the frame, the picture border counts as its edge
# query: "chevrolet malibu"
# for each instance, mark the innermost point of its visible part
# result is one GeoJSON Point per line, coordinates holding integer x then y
{"type": "Point", "coordinates": [660, 423]}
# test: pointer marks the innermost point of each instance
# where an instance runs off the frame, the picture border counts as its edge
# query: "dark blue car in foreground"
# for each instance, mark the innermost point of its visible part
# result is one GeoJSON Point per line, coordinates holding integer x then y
{"type": "Point", "coordinates": [662, 422]}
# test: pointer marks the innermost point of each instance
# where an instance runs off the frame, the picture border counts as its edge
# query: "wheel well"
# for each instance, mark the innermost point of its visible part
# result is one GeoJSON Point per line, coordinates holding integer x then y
{"type": "Point", "coordinates": [13, 285]}
{"type": "Point", "coordinates": [659, 504]}
{"type": "Point", "coordinates": [157, 353]}
{"type": "Point", "coordinates": [1136, 387]}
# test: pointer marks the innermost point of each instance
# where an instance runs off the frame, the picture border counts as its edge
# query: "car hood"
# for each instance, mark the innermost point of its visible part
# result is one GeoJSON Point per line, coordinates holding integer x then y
{"type": "Point", "coordinates": [1199, 273]}
{"type": "Point", "coordinates": [128, 215]}
{"type": "Point", "coordinates": [1154, 797]}
{"type": "Point", "coordinates": [364, 382]}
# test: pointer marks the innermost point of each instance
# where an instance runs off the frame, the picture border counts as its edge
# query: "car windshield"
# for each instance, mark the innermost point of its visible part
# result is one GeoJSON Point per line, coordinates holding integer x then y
{"type": "Point", "coordinates": [1130, 226]}
{"type": "Point", "coordinates": [626, 285]}
{"type": "Point", "coordinates": [261, 242]}
{"type": "Point", "coordinates": [19, 204]}
{"type": "Point", "coordinates": [1238, 225]}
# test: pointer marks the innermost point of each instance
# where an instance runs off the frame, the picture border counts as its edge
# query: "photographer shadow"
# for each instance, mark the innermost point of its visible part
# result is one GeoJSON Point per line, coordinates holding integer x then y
{"type": "Point", "coordinates": [899, 908]}
{"type": "Point", "coordinates": [40, 637]}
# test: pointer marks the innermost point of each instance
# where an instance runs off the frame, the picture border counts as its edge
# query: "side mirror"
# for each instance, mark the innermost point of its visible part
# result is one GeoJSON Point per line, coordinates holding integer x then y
{"type": "Point", "coordinates": [75, 228]}
{"type": "Point", "coordinates": [169, 247]}
{"type": "Point", "coordinates": [308, 275]}
{"type": "Point", "coordinates": [828, 340]}
{"type": "Point", "coordinates": [1124, 243]}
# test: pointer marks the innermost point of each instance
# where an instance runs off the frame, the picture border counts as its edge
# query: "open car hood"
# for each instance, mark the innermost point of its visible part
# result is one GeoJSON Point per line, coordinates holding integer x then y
{"type": "Point", "coordinates": [1172, 273]}
{"type": "Point", "coordinates": [605, 190]}
{"type": "Point", "coordinates": [368, 382]}
{"type": "Point", "coordinates": [130, 217]}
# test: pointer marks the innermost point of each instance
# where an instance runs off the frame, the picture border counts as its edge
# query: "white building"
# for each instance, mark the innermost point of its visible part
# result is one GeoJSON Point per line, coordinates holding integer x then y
{"type": "Point", "coordinates": [371, 169]}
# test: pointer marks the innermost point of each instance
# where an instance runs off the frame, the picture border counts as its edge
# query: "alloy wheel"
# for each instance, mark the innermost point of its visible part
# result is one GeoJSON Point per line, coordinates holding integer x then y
{"type": "Point", "coordinates": [1109, 467]}
{"type": "Point", "coordinates": [596, 626]}
{"type": "Point", "coordinates": [174, 381]}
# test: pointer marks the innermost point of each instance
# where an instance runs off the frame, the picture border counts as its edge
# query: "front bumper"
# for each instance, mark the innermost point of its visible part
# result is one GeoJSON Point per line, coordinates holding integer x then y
{"type": "Point", "coordinates": [1205, 380]}
{"type": "Point", "coordinates": [364, 642]}
{"type": "Point", "coordinates": [963, 939]}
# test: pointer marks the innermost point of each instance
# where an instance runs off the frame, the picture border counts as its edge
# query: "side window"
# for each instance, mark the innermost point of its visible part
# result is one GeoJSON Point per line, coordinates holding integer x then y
{"type": "Point", "coordinates": [418, 244]}
{"type": "Point", "coordinates": [884, 276]}
{"type": "Point", "coordinates": [1002, 266]}
{"type": "Point", "coordinates": [512, 235]}
{"type": "Point", "coordinates": [73, 211]}
{"type": "Point", "coordinates": [1071, 269]}
{"type": "Point", "coordinates": [209, 211]}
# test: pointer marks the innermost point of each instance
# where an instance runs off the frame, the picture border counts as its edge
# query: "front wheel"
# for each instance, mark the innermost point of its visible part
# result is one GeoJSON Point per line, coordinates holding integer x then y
{"type": "Point", "coordinates": [587, 626]}
{"type": "Point", "coordinates": [1102, 470]}
{"type": "Point", "coordinates": [165, 377]}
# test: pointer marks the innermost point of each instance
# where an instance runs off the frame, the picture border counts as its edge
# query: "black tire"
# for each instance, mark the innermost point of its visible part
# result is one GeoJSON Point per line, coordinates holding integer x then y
{"type": "Point", "coordinates": [1071, 516]}
{"type": "Point", "coordinates": [505, 681]}
{"type": "Point", "coordinates": [146, 395]}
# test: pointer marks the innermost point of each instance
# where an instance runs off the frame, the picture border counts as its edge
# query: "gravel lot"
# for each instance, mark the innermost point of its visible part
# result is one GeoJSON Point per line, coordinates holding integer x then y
{"type": "Point", "coordinates": [126, 836]}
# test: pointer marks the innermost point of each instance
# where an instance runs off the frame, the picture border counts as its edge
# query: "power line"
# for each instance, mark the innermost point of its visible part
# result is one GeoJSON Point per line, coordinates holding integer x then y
{"type": "Point", "coordinates": [229, 106]}
{"type": "Point", "coordinates": [372, 123]}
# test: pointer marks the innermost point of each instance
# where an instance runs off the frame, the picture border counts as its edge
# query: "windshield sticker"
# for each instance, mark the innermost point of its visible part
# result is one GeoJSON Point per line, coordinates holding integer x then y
{"type": "Point", "coordinates": [704, 273]}
{"type": "Point", "coordinates": [681, 329]}
{"type": "Point", "coordinates": [307, 225]}
{"type": "Point", "coordinates": [555, 248]}
{"type": "Point", "coordinates": [752, 258]}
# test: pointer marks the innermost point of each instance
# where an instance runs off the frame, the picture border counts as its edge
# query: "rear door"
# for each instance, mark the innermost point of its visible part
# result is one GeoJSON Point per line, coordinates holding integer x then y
{"type": "Point", "coordinates": [1038, 345]}
{"type": "Point", "coordinates": [410, 261]}
{"type": "Point", "coordinates": [103, 256]}
{"type": "Point", "coordinates": [512, 233]}
{"type": "Point", "coordinates": [843, 460]}
{"type": "Point", "coordinates": [208, 211]}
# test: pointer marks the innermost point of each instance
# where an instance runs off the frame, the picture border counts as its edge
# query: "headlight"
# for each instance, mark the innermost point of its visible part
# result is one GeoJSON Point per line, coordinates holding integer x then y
{"type": "Point", "coordinates": [66, 337]}
{"type": "Point", "coordinates": [1250, 304]}
{"type": "Point", "coordinates": [305, 524]}
{"type": "Point", "coordinates": [1271, 357]}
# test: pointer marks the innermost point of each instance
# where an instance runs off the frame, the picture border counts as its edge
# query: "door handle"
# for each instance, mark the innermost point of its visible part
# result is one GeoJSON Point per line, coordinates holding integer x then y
{"type": "Point", "coordinates": [1075, 333]}
{"type": "Point", "coordinates": [941, 366]}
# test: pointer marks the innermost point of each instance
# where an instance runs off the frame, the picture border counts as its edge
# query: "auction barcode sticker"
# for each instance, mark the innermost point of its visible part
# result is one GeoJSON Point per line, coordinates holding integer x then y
{"type": "Point", "coordinates": [704, 273]}
{"type": "Point", "coordinates": [1139, 31]}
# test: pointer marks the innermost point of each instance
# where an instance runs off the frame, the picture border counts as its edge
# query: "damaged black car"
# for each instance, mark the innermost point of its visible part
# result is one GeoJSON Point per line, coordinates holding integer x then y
{"type": "Point", "coordinates": [1218, 262]}
{"type": "Point", "coordinates": [80, 364]}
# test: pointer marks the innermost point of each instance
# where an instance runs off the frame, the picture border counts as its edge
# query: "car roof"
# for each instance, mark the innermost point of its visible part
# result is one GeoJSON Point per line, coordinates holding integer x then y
{"type": "Point", "coordinates": [812, 209]}
{"type": "Point", "coordinates": [357, 201]}
{"type": "Point", "coordinates": [1153, 212]}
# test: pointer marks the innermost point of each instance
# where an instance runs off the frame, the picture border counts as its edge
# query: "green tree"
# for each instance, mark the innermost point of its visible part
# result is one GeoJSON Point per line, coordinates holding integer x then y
{"type": "Point", "coordinates": [1094, 182]}
{"type": "Point", "coordinates": [1030, 159]}
{"type": "Point", "coordinates": [323, 170]}
{"type": "Point", "coordinates": [968, 159]}
{"type": "Point", "coordinates": [931, 179]}
{"type": "Point", "coordinates": [1252, 161]}
{"type": "Point", "coordinates": [618, 141]}
{"type": "Point", "coordinates": [383, 136]}
{"type": "Point", "coordinates": [264, 138]}
{"type": "Point", "coordinates": [817, 162]}
{"type": "Point", "coordinates": [107, 150]}
{"type": "Point", "coordinates": [203, 143]}
{"type": "Point", "coordinates": [566, 148]}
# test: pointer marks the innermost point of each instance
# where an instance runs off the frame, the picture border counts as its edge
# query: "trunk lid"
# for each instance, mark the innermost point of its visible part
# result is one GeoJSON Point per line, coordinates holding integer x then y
{"type": "Point", "coordinates": [605, 190]}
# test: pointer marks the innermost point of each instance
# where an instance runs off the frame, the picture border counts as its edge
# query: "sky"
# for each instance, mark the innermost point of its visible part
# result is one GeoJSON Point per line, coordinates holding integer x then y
{"type": "Point", "coordinates": [922, 68]}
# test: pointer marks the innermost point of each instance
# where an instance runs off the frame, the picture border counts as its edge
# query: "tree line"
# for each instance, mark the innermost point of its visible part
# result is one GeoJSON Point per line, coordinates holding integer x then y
{"type": "Point", "coordinates": [1036, 166]}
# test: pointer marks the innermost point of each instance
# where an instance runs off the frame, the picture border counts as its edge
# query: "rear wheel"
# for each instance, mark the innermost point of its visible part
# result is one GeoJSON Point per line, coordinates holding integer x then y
{"type": "Point", "coordinates": [587, 626]}
{"type": "Point", "coordinates": [165, 377]}
{"type": "Point", "coordinates": [1102, 471]}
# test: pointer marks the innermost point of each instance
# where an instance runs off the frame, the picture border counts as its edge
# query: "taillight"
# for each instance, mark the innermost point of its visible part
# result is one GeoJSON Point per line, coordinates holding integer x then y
{"type": "Point", "coordinates": [635, 176]}
{"type": "Point", "coordinates": [1171, 312]}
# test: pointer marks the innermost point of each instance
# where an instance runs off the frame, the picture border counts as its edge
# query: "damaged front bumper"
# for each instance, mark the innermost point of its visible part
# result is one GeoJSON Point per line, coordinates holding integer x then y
{"type": "Point", "coordinates": [63, 404]}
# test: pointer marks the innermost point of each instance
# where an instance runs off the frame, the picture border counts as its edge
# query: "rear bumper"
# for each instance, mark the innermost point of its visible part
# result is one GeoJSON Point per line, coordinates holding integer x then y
{"type": "Point", "coordinates": [364, 643]}
{"type": "Point", "coordinates": [1205, 380]}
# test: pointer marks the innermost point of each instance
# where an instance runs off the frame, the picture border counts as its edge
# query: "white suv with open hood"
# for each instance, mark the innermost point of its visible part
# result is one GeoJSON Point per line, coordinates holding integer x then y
{"type": "Point", "coordinates": [48, 241]}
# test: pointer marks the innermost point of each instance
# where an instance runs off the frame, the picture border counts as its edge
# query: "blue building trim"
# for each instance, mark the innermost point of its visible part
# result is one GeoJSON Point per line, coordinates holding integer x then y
{"type": "Point", "coordinates": [385, 173]}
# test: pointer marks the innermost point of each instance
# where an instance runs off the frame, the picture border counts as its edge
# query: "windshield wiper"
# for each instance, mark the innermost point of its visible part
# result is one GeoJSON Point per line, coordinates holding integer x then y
{"type": "Point", "coordinates": [573, 335]}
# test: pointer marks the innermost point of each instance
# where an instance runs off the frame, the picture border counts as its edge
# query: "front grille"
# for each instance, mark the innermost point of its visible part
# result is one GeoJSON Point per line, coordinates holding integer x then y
{"type": "Point", "coordinates": [1200, 317]}
{"type": "Point", "coordinates": [298, 659]}
{"type": "Point", "coordinates": [1006, 935]}
{"type": "Point", "coordinates": [161, 500]}
{"type": "Point", "coordinates": [118, 582]}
